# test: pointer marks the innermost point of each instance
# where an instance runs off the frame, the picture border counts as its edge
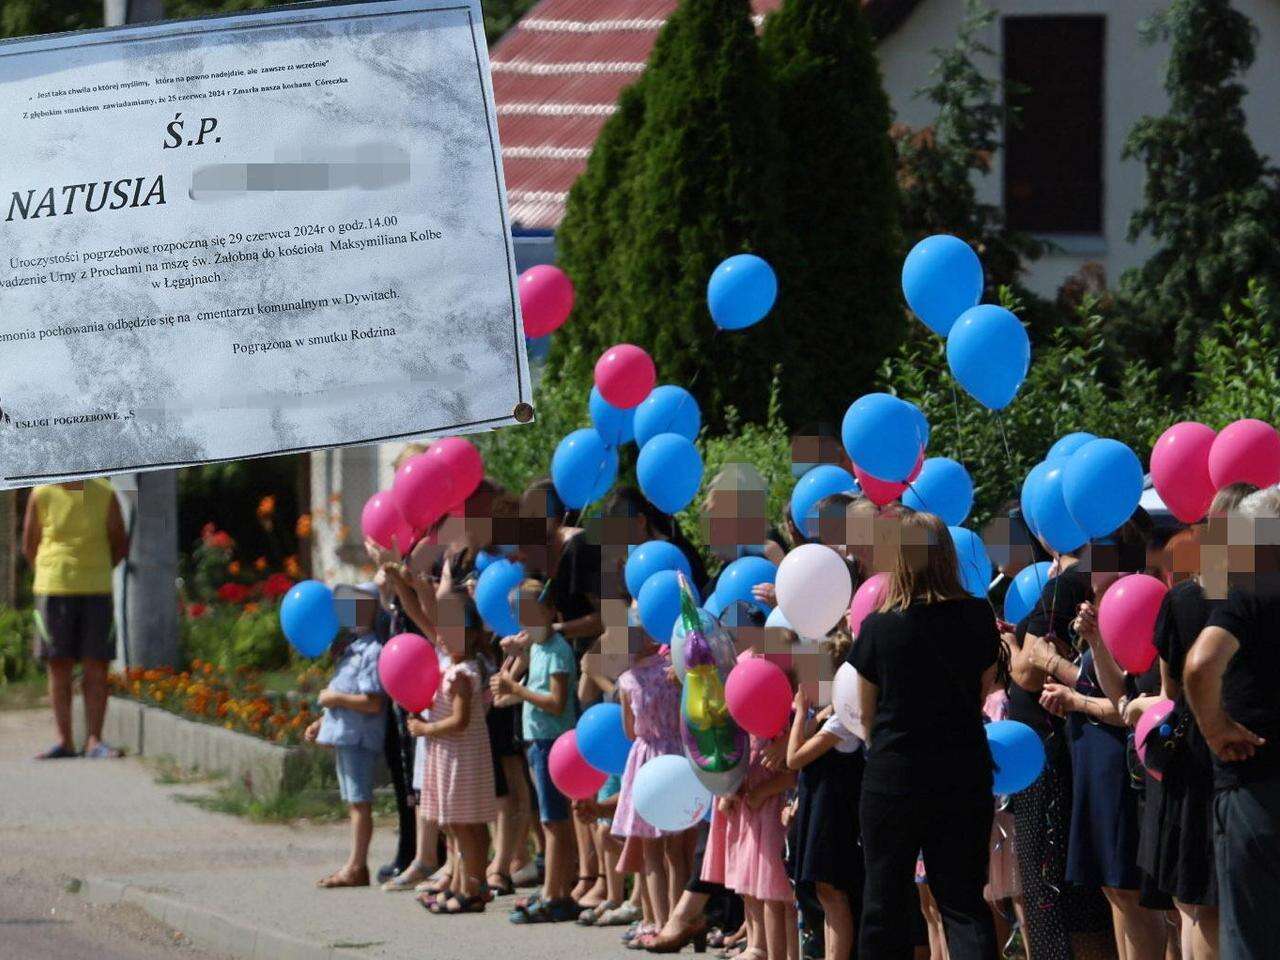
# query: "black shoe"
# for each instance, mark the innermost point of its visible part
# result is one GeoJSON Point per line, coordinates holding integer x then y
{"type": "Point", "coordinates": [389, 870]}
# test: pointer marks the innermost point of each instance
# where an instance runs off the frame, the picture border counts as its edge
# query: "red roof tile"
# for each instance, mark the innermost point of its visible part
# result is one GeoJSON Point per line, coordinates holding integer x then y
{"type": "Point", "coordinates": [557, 75]}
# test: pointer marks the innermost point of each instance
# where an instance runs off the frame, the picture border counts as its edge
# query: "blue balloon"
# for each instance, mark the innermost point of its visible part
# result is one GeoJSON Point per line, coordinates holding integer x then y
{"type": "Point", "coordinates": [713, 605]}
{"type": "Point", "coordinates": [650, 558]}
{"type": "Point", "coordinates": [614, 424]}
{"type": "Point", "coordinates": [483, 559]}
{"type": "Point", "coordinates": [659, 602]}
{"type": "Point", "coordinates": [881, 434]}
{"type": "Point", "coordinates": [669, 469]}
{"type": "Point", "coordinates": [1102, 484]}
{"type": "Point", "coordinates": [943, 489]}
{"type": "Point", "coordinates": [923, 423]}
{"type": "Point", "coordinates": [777, 620]}
{"type": "Point", "coordinates": [742, 289]}
{"type": "Point", "coordinates": [309, 617]}
{"type": "Point", "coordinates": [736, 580]}
{"type": "Point", "coordinates": [989, 354]}
{"type": "Point", "coordinates": [1018, 755]}
{"type": "Point", "coordinates": [1068, 445]}
{"type": "Point", "coordinates": [941, 279]}
{"type": "Point", "coordinates": [1030, 488]}
{"type": "Point", "coordinates": [602, 739]}
{"type": "Point", "coordinates": [822, 481]}
{"type": "Point", "coordinates": [494, 600]}
{"type": "Point", "coordinates": [973, 560]}
{"type": "Point", "coordinates": [537, 348]}
{"type": "Point", "coordinates": [1053, 522]}
{"type": "Point", "coordinates": [583, 468]}
{"type": "Point", "coordinates": [668, 409]}
{"type": "Point", "coordinates": [1025, 590]}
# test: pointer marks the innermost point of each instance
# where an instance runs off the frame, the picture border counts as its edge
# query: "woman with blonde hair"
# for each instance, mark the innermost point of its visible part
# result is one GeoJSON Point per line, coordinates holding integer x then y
{"type": "Point", "coordinates": [927, 659]}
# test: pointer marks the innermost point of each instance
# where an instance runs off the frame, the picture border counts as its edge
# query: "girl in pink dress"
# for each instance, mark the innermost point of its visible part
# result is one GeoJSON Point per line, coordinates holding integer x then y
{"type": "Point", "coordinates": [745, 852]}
{"type": "Point", "coordinates": [457, 780]}
{"type": "Point", "coordinates": [650, 702]}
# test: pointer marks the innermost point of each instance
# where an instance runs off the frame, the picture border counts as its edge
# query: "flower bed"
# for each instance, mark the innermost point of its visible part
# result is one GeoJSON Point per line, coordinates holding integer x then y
{"type": "Point", "coordinates": [232, 698]}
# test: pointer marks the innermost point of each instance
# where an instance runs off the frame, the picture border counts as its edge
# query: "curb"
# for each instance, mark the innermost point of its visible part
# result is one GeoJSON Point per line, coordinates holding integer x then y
{"type": "Point", "coordinates": [210, 930]}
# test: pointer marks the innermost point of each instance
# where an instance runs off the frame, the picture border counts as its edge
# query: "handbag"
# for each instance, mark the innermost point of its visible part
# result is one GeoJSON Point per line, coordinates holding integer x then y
{"type": "Point", "coordinates": [1166, 744]}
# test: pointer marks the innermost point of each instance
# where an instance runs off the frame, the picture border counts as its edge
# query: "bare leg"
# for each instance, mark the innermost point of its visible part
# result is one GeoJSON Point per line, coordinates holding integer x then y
{"type": "Point", "coordinates": [587, 869]}
{"type": "Point", "coordinates": [60, 696]}
{"type": "Point", "coordinates": [559, 841]}
{"type": "Point", "coordinates": [94, 682]}
{"type": "Point", "coordinates": [756, 937]}
{"type": "Point", "coordinates": [655, 878]}
{"type": "Point", "coordinates": [837, 922]}
{"type": "Point", "coordinates": [361, 835]}
{"type": "Point", "coordinates": [518, 797]}
{"type": "Point", "coordinates": [473, 843]}
{"type": "Point", "coordinates": [675, 852]}
{"type": "Point", "coordinates": [792, 919]}
{"type": "Point", "coordinates": [599, 891]}
{"type": "Point", "coordinates": [611, 849]}
{"type": "Point", "coordinates": [1199, 931]}
{"type": "Point", "coordinates": [933, 918]}
{"type": "Point", "coordinates": [1140, 933]}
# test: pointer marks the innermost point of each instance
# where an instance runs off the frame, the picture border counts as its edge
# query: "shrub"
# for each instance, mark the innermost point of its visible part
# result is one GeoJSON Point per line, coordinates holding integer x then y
{"type": "Point", "coordinates": [17, 660]}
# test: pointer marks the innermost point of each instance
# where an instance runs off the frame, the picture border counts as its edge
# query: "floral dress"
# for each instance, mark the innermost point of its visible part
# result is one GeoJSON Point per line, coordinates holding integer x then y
{"type": "Point", "coordinates": [655, 712]}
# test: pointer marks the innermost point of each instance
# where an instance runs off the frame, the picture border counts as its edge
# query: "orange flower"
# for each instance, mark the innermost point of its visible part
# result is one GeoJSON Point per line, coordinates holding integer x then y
{"type": "Point", "coordinates": [266, 507]}
{"type": "Point", "coordinates": [260, 564]}
{"type": "Point", "coordinates": [303, 527]}
{"type": "Point", "coordinates": [233, 568]}
{"type": "Point", "coordinates": [250, 608]}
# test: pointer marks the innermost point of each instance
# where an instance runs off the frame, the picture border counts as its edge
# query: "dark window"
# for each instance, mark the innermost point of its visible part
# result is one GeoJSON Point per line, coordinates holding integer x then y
{"type": "Point", "coordinates": [1053, 146]}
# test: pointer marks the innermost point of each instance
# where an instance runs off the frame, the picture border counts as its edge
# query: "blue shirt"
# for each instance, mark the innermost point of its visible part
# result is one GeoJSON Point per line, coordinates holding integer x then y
{"type": "Point", "coordinates": [356, 673]}
{"type": "Point", "coordinates": [547, 659]}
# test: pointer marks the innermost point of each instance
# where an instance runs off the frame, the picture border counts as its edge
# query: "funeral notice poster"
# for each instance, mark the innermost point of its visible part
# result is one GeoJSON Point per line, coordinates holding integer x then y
{"type": "Point", "coordinates": [249, 235]}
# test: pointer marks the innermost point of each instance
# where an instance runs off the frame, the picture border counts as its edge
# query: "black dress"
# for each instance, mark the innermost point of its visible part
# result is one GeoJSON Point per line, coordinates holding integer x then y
{"type": "Point", "coordinates": [1182, 849]}
{"type": "Point", "coordinates": [1055, 909]}
{"type": "Point", "coordinates": [827, 848]}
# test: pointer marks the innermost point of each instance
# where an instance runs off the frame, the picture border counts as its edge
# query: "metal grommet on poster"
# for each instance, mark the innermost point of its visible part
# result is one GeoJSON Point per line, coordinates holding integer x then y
{"type": "Point", "coordinates": [523, 412]}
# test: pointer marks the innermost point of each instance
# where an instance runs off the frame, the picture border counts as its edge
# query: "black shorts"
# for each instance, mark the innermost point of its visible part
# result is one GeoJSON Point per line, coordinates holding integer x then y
{"type": "Point", "coordinates": [76, 627]}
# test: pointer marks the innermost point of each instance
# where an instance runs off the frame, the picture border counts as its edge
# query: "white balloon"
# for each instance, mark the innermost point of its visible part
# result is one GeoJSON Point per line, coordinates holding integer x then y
{"type": "Point", "coordinates": [778, 619]}
{"type": "Point", "coordinates": [846, 691]}
{"type": "Point", "coordinates": [668, 795]}
{"type": "Point", "coordinates": [813, 588]}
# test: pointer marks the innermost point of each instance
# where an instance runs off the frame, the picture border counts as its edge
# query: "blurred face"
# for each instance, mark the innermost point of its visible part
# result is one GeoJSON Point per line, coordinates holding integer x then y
{"type": "Point", "coordinates": [732, 519]}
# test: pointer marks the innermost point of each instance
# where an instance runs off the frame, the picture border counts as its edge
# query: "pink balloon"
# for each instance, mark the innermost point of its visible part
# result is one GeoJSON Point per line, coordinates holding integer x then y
{"type": "Point", "coordinates": [382, 521]}
{"type": "Point", "coordinates": [1180, 470]}
{"type": "Point", "coordinates": [423, 490]}
{"type": "Point", "coordinates": [410, 671]}
{"type": "Point", "coordinates": [1127, 620]}
{"type": "Point", "coordinates": [880, 491]}
{"type": "Point", "coordinates": [546, 299]}
{"type": "Point", "coordinates": [464, 463]}
{"type": "Point", "coordinates": [1151, 718]}
{"type": "Point", "coordinates": [867, 600]}
{"type": "Point", "coordinates": [571, 774]}
{"type": "Point", "coordinates": [759, 696]}
{"type": "Point", "coordinates": [1247, 451]}
{"type": "Point", "coordinates": [625, 375]}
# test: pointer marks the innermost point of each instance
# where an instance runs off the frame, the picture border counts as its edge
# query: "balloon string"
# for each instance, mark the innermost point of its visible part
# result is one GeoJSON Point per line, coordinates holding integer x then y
{"type": "Point", "coordinates": [1008, 456]}
{"type": "Point", "coordinates": [955, 405]}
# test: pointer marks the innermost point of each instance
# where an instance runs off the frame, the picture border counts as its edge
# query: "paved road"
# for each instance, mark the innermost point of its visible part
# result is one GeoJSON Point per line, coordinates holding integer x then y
{"type": "Point", "coordinates": [108, 819]}
{"type": "Point", "coordinates": [41, 920]}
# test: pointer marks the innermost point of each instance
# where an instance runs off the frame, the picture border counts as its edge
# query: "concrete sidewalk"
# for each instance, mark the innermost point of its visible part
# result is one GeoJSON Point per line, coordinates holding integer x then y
{"type": "Point", "coordinates": [232, 886]}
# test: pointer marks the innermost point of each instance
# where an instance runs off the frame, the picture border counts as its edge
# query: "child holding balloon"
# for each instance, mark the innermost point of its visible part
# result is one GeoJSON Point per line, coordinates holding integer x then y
{"type": "Point", "coordinates": [352, 724]}
{"type": "Point", "coordinates": [548, 712]}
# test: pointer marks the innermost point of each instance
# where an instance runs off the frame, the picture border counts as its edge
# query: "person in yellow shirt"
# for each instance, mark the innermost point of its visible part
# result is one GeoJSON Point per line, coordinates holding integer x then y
{"type": "Point", "coordinates": [73, 536]}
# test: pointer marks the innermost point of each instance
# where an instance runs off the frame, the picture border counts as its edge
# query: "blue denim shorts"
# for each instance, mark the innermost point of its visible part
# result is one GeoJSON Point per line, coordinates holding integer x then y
{"type": "Point", "coordinates": [553, 806]}
{"type": "Point", "coordinates": [355, 773]}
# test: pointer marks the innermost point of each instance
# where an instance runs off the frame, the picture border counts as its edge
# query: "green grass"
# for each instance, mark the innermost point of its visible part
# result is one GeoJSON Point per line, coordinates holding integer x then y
{"type": "Point", "coordinates": [167, 771]}
{"type": "Point", "coordinates": [311, 804]}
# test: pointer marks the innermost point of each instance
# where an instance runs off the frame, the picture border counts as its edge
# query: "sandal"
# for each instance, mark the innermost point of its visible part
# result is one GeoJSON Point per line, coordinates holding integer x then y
{"type": "Point", "coordinates": [407, 879]}
{"type": "Point", "coordinates": [527, 903]}
{"type": "Point", "coordinates": [503, 888]}
{"type": "Point", "coordinates": [57, 752]}
{"type": "Point", "coordinates": [455, 905]}
{"type": "Point", "coordinates": [102, 751]}
{"type": "Point", "coordinates": [438, 882]}
{"type": "Point", "coordinates": [620, 916]}
{"type": "Point", "coordinates": [341, 878]}
{"type": "Point", "coordinates": [590, 916]}
{"type": "Point", "coordinates": [559, 910]}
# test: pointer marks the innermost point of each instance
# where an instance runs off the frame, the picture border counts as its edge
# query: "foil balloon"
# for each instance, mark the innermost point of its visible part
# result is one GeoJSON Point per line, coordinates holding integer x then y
{"type": "Point", "coordinates": [716, 746]}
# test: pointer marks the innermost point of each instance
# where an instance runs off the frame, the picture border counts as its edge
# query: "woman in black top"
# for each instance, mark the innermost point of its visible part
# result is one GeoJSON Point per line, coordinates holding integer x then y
{"type": "Point", "coordinates": [927, 660]}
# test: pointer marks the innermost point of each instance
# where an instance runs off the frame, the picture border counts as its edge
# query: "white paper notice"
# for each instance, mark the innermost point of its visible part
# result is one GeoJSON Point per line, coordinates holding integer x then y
{"type": "Point", "coordinates": [253, 234]}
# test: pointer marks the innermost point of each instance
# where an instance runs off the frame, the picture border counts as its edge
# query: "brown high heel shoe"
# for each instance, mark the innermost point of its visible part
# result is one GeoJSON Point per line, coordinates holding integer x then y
{"type": "Point", "coordinates": [674, 944]}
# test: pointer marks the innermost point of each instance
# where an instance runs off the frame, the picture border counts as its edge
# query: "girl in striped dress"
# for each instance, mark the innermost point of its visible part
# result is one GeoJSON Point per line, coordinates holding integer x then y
{"type": "Point", "coordinates": [457, 782]}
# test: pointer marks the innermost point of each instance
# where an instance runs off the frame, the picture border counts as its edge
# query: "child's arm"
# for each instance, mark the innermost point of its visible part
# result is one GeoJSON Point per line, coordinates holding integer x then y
{"type": "Point", "coordinates": [552, 702]}
{"type": "Point", "coordinates": [801, 751]}
{"type": "Point", "coordinates": [628, 722]}
{"type": "Point", "coordinates": [778, 783]}
{"type": "Point", "coordinates": [359, 702]}
{"type": "Point", "coordinates": [457, 720]}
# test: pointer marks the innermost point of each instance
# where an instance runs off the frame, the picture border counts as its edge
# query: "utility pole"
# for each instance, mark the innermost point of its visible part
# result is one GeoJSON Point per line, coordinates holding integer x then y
{"type": "Point", "coordinates": [150, 607]}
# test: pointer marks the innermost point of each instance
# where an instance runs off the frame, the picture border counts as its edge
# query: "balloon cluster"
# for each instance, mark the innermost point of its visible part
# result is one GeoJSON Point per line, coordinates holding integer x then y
{"type": "Point", "coordinates": [1085, 488]}
{"type": "Point", "coordinates": [1190, 463]}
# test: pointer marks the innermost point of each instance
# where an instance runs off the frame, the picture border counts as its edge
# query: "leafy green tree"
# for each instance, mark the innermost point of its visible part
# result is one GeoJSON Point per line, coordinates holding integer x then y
{"type": "Point", "coordinates": [938, 166]}
{"type": "Point", "coordinates": [839, 246]}
{"type": "Point", "coordinates": [1211, 202]}
{"type": "Point", "coordinates": [1237, 365]}
{"type": "Point", "coordinates": [692, 186]}
{"type": "Point", "coordinates": [21, 18]}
